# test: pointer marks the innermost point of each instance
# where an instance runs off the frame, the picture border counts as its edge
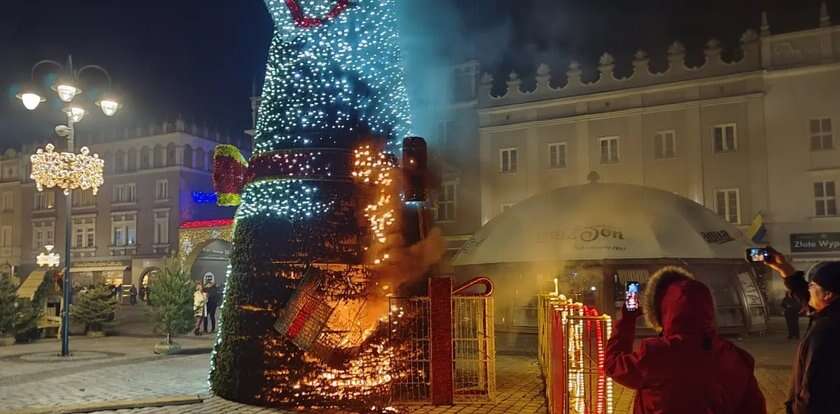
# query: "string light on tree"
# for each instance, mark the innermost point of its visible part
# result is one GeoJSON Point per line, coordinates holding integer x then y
{"type": "Point", "coordinates": [342, 73]}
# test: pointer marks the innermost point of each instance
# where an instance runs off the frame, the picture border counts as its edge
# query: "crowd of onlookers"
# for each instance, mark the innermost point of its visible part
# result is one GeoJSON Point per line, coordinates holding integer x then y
{"type": "Point", "coordinates": [689, 368]}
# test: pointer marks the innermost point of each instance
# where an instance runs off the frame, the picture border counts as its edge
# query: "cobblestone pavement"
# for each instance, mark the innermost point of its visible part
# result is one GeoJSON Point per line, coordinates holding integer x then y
{"type": "Point", "coordinates": [126, 369]}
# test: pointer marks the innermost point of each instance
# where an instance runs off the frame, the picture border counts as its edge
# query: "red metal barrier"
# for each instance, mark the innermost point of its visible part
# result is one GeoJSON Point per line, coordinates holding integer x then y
{"type": "Point", "coordinates": [440, 295]}
{"type": "Point", "coordinates": [572, 353]}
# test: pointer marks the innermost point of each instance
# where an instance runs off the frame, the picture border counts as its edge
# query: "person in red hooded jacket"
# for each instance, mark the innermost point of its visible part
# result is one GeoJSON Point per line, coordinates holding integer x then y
{"type": "Point", "coordinates": [688, 369]}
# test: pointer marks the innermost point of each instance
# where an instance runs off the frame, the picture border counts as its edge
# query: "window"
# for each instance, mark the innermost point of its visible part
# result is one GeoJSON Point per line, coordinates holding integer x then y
{"type": "Point", "coordinates": [506, 207]}
{"type": "Point", "coordinates": [200, 159]}
{"type": "Point", "coordinates": [10, 173]}
{"type": "Point", "coordinates": [119, 162]}
{"type": "Point", "coordinates": [821, 136]}
{"type": "Point", "coordinates": [728, 205]}
{"type": "Point", "coordinates": [158, 156]}
{"type": "Point", "coordinates": [6, 236]}
{"type": "Point", "coordinates": [557, 155]}
{"type": "Point", "coordinates": [83, 198]}
{"type": "Point", "coordinates": [84, 233]}
{"type": "Point", "coordinates": [145, 158]}
{"type": "Point", "coordinates": [44, 200]}
{"type": "Point", "coordinates": [508, 160]}
{"type": "Point", "coordinates": [445, 129]}
{"type": "Point", "coordinates": [447, 202]}
{"type": "Point", "coordinates": [825, 199]}
{"type": "Point", "coordinates": [665, 144]}
{"type": "Point", "coordinates": [162, 190]}
{"type": "Point", "coordinates": [124, 193]}
{"type": "Point", "coordinates": [8, 202]}
{"type": "Point", "coordinates": [161, 226]}
{"type": "Point", "coordinates": [188, 156]}
{"type": "Point", "coordinates": [124, 229]}
{"type": "Point", "coordinates": [170, 155]}
{"type": "Point", "coordinates": [43, 233]}
{"type": "Point", "coordinates": [726, 138]}
{"type": "Point", "coordinates": [609, 150]}
{"type": "Point", "coordinates": [132, 160]}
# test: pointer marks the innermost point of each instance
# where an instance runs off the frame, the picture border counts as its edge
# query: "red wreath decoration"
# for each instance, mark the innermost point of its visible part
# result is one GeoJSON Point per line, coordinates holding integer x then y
{"type": "Point", "coordinates": [304, 21]}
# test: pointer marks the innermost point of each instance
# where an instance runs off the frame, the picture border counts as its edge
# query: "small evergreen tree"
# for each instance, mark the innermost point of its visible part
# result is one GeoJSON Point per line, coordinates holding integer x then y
{"type": "Point", "coordinates": [27, 315]}
{"type": "Point", "coordinates": [171, 301]}
{"type": "Point", "coordinates": [94, 307]}
{"type": "Point", "coordinates": [8, 300]}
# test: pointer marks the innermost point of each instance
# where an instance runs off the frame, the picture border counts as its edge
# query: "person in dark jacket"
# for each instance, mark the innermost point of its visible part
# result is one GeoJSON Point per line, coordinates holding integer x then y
{"type": "Point", "coordinates": [815, 385]}
{"type": "Point", "coordinates": [688, 369]}
{"type": "Point", "coordinates": [792, 309]}
{"type": "Point", "coordinates": [212, 303]}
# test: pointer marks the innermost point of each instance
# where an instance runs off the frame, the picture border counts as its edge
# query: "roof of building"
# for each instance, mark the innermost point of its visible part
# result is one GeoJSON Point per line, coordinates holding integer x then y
{"type": "Point", "coordinates": [603, 222]}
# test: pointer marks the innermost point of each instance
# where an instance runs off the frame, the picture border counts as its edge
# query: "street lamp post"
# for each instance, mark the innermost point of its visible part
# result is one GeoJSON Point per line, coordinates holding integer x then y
{"type": "Point", "coordinates": [68, 170]}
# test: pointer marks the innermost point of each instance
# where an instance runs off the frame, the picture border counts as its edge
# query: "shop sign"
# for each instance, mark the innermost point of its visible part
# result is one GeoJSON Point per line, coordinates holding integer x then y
{"type": "Point", "coordinates": [586, 234]}
{"type": "Point", "coordinates": [814, 242]}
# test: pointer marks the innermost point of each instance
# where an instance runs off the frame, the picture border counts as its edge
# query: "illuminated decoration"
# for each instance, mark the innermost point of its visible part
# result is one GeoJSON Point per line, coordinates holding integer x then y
{"type": "Point", "coordinates": [573, 340]}
{"type": "Point", "coordinates": [49, 258]}
{"type": "Point", "coordinates": [341, 74]}
{"type": "Point", "coordinates": [305, 21]}
{"type": "Point", "coordinates": [195, 234]}
{"type": "Point", "coordinates": [230, 173]}
{"type": "Point", "coordinates": [376, 168]}
{"type": "Point", "coordinates": [204, 198]}
{"type": "Point", "coordinates": [66, 170]}
{"type": "Point", "coordinates": [292, 199]}
{"type": "Point", "coordinates": [302, 316]}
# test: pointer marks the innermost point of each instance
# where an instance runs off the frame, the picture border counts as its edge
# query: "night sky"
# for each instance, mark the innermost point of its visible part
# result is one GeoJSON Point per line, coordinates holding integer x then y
{"type": "Point", "coordinates": [201, 58]}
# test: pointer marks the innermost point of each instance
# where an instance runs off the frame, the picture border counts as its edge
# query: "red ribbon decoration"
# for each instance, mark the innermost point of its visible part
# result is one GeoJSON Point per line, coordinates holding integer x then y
{"type": "Point", "coordinates": [304, 21]}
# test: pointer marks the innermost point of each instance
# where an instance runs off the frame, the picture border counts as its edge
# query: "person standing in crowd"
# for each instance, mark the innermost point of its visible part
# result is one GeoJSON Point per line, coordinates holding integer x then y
{"type": "Point", "coordinates": [689, 368]}
{"type": "Point", "coordinates": [199, 307]}
{"type": "Point", "coordinates": [212, 303]}
{"type": "Point", "coordinates": [816, 370]}
{"type": "Point", "coordinates": [792, 310]}
{"type": "Point", "coordinates": [133, 292]}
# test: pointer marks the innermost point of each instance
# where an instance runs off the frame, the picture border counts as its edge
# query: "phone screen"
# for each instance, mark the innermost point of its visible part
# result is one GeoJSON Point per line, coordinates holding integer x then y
{"type": "Point", "coordinates": [631, 295]}
{"type": "Point", "coordinates": [757, 254]}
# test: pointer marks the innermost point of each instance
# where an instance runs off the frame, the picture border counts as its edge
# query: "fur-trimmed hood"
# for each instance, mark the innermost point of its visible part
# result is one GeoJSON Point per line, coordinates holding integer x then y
{"type": "Point", "coordinates": [674, 302]}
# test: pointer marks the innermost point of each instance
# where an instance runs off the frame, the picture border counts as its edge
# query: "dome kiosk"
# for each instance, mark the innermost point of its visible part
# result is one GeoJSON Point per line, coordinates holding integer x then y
{"type": "Point", "coordinates": [588, 240]}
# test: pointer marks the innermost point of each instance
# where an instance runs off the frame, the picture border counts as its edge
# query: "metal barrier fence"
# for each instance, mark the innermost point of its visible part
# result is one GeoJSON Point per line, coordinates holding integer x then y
{"type": "Point", "coordinates": [413, 360]}
{"type": "Point", "coordinates": [474, 348]}
{"type": "Point", "coordinates": [572, 342]}
{"type": "Point", "coordinates": [473, 356]}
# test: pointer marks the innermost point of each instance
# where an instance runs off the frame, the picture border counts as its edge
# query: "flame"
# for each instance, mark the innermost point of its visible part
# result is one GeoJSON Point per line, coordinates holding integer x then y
{"type": "Point", "coordinates": [376, 168]}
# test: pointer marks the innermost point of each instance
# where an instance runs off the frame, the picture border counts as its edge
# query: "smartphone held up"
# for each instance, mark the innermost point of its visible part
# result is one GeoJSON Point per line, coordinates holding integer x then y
{"type": "Point", "coordinates": [631, 295]}
{"type": "Point", "coordinates": [758, 255]}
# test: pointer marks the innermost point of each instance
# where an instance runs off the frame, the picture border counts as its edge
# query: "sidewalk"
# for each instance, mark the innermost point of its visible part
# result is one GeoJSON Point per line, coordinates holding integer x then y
{"type": "Point", "coordinates": [125, 368]}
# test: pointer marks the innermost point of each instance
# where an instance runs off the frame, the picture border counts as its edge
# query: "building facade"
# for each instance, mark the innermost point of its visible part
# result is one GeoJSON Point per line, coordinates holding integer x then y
{"type": "Point", "coordinates": [155, 179]}
{"type": "Point", "coordinates": [11, 220]}
{"type": "Point", "coordinates": [746, 137]}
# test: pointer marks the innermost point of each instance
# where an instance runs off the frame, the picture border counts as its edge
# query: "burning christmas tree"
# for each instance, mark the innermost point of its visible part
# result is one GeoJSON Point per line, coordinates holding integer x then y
{"type": "Point", "coordinates": [316, 233]}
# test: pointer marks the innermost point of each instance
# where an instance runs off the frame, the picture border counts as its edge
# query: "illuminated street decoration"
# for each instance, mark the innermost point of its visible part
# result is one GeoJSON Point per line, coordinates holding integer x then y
{"type": "Point", "coordinates": [574, 338]}
{"type": "Point", "coordinates": [304, 318]}
{"type": "Point", "coordinates": [204, 197]}
{"type": "Point", "coordinates": [66, 170]}
{"type": "Point", "coordinates": [49, 258]}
